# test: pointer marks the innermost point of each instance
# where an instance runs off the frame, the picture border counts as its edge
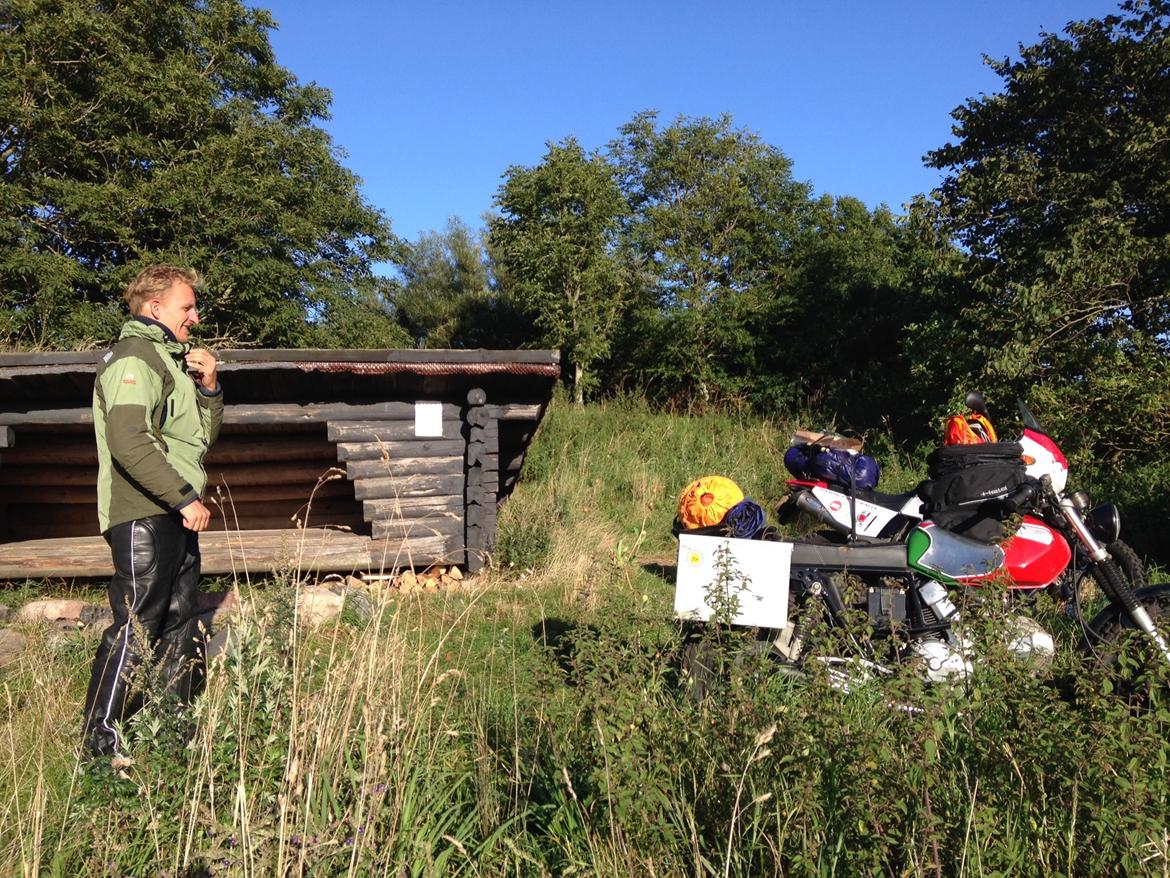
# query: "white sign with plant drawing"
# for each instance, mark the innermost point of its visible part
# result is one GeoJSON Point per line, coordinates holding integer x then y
{"type": "Point", "coordinates": [744, 582]}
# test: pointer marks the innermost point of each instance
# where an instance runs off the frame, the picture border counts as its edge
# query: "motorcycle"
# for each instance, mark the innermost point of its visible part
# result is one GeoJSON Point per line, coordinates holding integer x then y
{"type": "Point", "coordinates": [906, 587]}
{"type": "Point", "coordinates": [854, 515]}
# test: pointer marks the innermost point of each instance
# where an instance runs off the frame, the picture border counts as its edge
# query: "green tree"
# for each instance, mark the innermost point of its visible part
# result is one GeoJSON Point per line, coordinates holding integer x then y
{"type": "Point", "coordinates": [1059, 186]}
{"type": "Point", "coordinates": [443, 273]}
{"type": "Point", "coordinates": [553, 245]}
{"type": "Point", "coordinates": [449, 296]}
{"type": "Point", "coordinates": [165, 130]}
{"type": "Point", "coordinates": [837, 341]}
{"type": "Point", "coordinates": [715, 216]}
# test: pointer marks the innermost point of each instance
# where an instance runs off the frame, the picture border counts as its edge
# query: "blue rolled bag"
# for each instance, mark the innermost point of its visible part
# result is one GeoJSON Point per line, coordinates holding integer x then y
{"type": "Point", "coordinates": [814, 463]}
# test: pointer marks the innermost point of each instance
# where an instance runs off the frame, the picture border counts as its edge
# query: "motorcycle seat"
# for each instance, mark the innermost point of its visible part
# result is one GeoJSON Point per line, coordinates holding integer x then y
{"type": "Point", "coordinates": [888, 557]}
{"type": "Point", "coordinates": [887, 501]}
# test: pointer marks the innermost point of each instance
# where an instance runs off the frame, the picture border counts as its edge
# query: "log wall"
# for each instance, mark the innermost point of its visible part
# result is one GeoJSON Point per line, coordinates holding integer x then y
{"type": "Point", "coordinates": [401, 489]}
{"type": "Point", "coordinates": [410, 486]}
{"type": "Point", "coordinates": [355, 467]}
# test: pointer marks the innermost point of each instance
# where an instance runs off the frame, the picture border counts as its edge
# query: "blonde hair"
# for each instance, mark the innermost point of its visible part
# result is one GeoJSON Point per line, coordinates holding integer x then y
{"type": "Point", "coordinates": [154, 280]}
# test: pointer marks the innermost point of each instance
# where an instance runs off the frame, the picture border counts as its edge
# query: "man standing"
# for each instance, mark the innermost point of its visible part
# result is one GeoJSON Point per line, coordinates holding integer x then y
{"type": "Point", "coordinates": [157, 407]}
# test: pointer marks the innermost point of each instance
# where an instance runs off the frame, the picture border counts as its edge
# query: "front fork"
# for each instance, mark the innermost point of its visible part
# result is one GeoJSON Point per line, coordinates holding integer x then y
{"type": "Point", "coordinates": [1097, 552]}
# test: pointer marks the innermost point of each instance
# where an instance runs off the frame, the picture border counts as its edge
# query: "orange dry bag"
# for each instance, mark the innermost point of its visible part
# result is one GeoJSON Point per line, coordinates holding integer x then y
{"type": "Point", "coordinates": [705, 501]}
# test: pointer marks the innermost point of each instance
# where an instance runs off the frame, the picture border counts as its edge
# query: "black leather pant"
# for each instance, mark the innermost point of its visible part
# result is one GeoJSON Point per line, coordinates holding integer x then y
{"type": "Point", "coordinates": [152, 594]}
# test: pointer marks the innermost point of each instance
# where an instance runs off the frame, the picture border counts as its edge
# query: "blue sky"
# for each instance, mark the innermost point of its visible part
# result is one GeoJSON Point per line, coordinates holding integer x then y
{"type": "Point", "coordinates": [433, 101]}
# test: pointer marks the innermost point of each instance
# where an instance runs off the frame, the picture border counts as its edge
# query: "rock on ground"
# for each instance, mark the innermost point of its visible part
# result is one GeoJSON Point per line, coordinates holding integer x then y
{"type": "Point", "coordinates": [12, 644]}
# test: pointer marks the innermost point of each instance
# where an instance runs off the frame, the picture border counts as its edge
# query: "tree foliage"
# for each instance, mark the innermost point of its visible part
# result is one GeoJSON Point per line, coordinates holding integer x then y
{"type": "Point", "coordinates": [714, 217]}
{"type": "Point", "coordinates": [554, 245]}
{"type": "Point", "coordinates": [710, 274]}
{"type": "Point", "coordinates": [444, 275]}
{"type": "Point", "coordinates": [837, 339]}
{"type": "Point", "coordinates": [165, 130]}
{"type": "Point", "coordinates": [1059, 187]}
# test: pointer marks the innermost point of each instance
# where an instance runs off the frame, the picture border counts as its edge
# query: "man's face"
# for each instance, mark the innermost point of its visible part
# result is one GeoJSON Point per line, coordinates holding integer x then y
{"type": "Point", "coordinates": [175, 309]}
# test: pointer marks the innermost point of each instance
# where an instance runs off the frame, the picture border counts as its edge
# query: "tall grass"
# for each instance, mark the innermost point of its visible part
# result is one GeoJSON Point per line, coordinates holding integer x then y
{"type": "Point", "coordinates": [537, 722]}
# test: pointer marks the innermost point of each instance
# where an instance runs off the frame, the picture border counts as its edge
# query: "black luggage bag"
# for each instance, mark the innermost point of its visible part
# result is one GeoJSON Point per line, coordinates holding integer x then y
{"type": "Point", "coordinates": [966, 485]}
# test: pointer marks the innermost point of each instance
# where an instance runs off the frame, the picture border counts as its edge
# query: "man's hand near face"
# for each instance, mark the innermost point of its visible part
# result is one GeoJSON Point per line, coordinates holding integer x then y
{"type": "Point", "coordinates": [204, 368]}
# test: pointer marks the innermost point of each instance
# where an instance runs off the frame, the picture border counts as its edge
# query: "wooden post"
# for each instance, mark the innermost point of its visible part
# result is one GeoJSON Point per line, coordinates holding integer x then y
{"type": "Point", "coordinates": [483, 468]}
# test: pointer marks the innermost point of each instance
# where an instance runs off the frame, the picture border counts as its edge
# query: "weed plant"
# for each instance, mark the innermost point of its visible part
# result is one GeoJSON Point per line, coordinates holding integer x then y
{"type": "Point", "coordinates": [539, 722]}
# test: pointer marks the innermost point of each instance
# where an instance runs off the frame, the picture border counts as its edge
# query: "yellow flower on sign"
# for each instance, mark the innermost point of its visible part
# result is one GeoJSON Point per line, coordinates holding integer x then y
{"type": "Point", "coordinates": [695, 559]}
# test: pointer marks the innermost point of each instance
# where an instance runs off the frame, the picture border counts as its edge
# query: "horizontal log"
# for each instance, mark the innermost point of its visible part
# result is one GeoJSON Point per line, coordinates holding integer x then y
{"type": "Point", "coordinates": [250, 414]}
{"type": "Point", "coordinates": [485, 468]}
{"type": "Point", "coordinates": [276, 473]}
{"type": "Point", "coordinates": [442, 519]}
{"type": "Point", "coordinates": [46, 474]}
{"type": "Point", "coordinates": [285, 428]}
{"type": "Point", "coordinates": [299, 506]}
{"type": "Point", "coordinates": [253, 493]}
{"type": "Point", "coordinates": [216, 492]}
{"type": "Point", "coordinates": [279, 413]}
{"type": "Point", "coordinates": [49, 418]}
{"type": "Point", "coordinates": [394, 553]}
{"type": "Point", "coordinates": [41, 359]}
{"type": "Point", "coordinates": [518, 411]}
{"type": "Point", "coordinates": [22, 530]}
{"type": "Point", "coordinates": [242, 448]}
{"type": "Point", "coordinates": [347, 451]}
{"type": "Point", "coordinates": [27, 528]}
{"type": "Point", "coordinates": [35, 513]}
{"type": "Point", "coordinates": [262, 552]}
{"type": "Point", "coordinates": [61, 450]}
{"type": "Point", "coordinates": [80, 494]}
{"type": "Point", "coordinates": [240, 552]}
{"type": "Point", "coordinates": [483, 490]}
{"type": "Point", "coordinates": [404, 466]}
{"type": "Point", "coordinates": [479, 516]}
{"type": "Point", "coordinates": [421, 356]}
{"type": "Point", "coordinates": [351, 521]}
{"type": "Point", "coordinates": [416, 528]}
{"type": "Point", "coordinates": [409, 507]}
{"type": "Point", "coordinates": [234, 475]}
{"type": "Point", "coordinates": [409, 486]}
{"type": "Point", "coordinates": [385, 431]}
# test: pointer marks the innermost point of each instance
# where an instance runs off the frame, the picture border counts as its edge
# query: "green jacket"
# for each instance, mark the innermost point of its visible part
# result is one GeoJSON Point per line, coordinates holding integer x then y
{"type": "Point", "coordinates": [153, 426]}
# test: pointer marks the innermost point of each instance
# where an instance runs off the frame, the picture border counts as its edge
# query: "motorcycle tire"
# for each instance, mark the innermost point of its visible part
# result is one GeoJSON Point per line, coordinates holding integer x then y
{"type": "Point", "coordinates": [1123, 651]}
{"type": "Point", "coordinates": [1090, 587]}
{"type": "Point", "coordinates": [706, 662]}
{"type": "Point", "coordinates": [698, 664]}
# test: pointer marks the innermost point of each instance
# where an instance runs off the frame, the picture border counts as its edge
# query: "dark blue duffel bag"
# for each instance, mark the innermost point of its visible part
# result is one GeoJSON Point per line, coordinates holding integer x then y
{"type": "Point", "coordinates": [814, 463]}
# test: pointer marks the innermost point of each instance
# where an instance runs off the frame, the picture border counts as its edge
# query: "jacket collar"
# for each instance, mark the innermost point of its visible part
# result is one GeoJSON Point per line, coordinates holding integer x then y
{"type": "Point", "coordinates": [152, 330]}
{"type": "Point", "coordinates": [150, 321]}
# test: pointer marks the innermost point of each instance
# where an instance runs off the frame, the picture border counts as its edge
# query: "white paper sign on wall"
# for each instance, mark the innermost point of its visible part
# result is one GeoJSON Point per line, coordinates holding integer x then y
{"type": "Point", "coordinates": [428, 419]}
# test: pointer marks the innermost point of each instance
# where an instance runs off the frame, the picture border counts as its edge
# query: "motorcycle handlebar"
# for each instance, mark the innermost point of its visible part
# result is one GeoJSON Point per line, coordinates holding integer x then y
{"type": "Point", "coordinates": [1020, 497]}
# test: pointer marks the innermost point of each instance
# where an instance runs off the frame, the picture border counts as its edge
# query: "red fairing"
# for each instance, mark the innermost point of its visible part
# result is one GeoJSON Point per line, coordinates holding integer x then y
{"type": "Point", "coordinates": [1047, 444]}
{"type": "Point", "coordinates": [1036, 555]}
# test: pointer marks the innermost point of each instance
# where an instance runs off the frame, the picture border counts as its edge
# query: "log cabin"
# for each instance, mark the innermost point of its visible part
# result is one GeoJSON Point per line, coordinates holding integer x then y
{"type": "Point", "coordinates": [328, 460]}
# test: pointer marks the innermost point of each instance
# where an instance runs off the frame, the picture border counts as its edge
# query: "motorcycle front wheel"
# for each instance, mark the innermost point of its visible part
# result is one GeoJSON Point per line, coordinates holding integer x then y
{"type": "Point", "coordinates": [1084, 588]}
{"type": "Point", "coordinates": [1135, 665]}
{"type": "Point", "coordinates": [706, 662]}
